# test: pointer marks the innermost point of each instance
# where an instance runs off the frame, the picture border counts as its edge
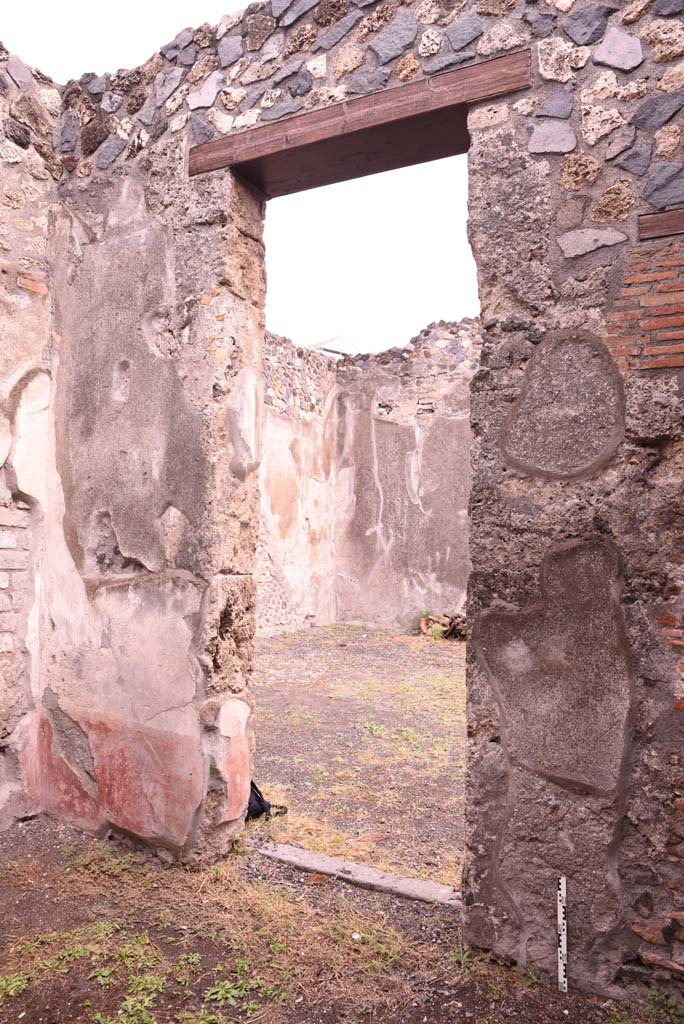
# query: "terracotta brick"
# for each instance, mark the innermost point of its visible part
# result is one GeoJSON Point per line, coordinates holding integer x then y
{"type": "Point", "coordinates": [626, 339]}
{"type": "Point", "coordinates": [655, 275]}
{"type": "Point", "coordinates": [671, 286]}
{"type": "Point", "coordinates": [658, 364]}
{"type": "Point", "coordinates": [658, 323]}
{"type": "Point", "coordinates": [641, 289]}
{"type": "Point", "coordinates": [667, 619]}
{"type": "Point", "coordinates": [626, 350]}
{"type": "Point", "coordinates": [666, 299]}
{"type": "Point", "coordinates": [673, 632]}
{"type": "Point", "coordinates": [625, 314]}
{"type": "Point", "coordinates": [663, 350]}
{"type": "Point", "coordinates": [32, 284]}
{"type": "Point", "coordinates": [670, 261]}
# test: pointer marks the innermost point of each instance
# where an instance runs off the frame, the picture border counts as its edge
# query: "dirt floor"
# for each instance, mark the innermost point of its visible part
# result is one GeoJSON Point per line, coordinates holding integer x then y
{"type": "Point", "coordinates": [362, 732]}
{"type": "Point", "coordinates": [94, 932]}
{"type": "Point", "coordinates": [362, 735]}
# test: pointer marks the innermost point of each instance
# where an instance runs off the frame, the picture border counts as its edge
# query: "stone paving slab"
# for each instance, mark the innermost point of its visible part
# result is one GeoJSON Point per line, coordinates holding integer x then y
{"type": "Point", "coordinates": [364, 877]}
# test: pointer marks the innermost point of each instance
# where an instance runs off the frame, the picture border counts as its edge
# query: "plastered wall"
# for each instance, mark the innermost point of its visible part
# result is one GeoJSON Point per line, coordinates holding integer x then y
{"type": "Point", "coordinates": [295, 574]}
{"type": "Point", "coordinates": [365, 480]}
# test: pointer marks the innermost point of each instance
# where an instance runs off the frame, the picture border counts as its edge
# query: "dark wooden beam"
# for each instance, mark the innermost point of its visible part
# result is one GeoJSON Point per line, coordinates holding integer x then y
{"type": "Point", "coordinates": [658, 225]}
{"type": "Point", "coordinates": [409, 124]}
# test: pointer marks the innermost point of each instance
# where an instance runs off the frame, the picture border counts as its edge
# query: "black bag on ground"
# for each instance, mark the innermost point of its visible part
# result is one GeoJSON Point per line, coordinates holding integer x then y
{"type": "Point", "coordinates": [258, 805]}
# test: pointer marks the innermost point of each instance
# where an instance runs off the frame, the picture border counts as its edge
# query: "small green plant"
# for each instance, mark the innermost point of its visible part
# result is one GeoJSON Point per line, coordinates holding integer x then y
{"type": "Point", "coordinates": [104, 976]}
{"type": "Point", "coordinates": [673, 1007]}
{"type": "Point", "coordinates": [533, 977]}
{"type": "Point", "coordinates": [201, 1017]}
{"type": "Point", "coordinates": [462, 957]}
{"type": "Point", "coordinates": [225, 993]}
{"type": "Point", "coordinates": [373, 729]}
{"type": "Point", "coordinates": [135, 1010]}
{"type": "Point", "coordinates": [141, 983]}
{"type": "Point", "coordinates": [191, 962]}
{"type": "Point", "coordinates": [14, 984]}
{"type": "Point", "coordinates": [320, 775]}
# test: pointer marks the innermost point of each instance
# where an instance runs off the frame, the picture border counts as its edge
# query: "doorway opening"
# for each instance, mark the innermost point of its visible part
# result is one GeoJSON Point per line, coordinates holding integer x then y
{"type": "Point", "coordinates": [372, 339]}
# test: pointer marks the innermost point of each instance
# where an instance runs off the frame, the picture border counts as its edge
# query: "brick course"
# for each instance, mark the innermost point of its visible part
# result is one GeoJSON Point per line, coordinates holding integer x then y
{"type": "Point", "coordinates": [646, 322]}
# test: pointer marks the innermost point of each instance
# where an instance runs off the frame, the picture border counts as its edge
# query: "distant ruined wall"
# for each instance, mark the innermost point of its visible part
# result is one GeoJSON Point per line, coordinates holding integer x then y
{"type": "Point", "coordinates": [403, 477]}
{"type": "Point", "coordinates": [295, 566]}
{"type": "Point", "coordinates": [365, 479]}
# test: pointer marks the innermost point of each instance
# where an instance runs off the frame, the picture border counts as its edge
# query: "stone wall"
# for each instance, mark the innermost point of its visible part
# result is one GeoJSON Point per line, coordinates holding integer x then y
{"type": "Point", "coordinates": [403, 477]}
{"type": "Point", "coordinates": [574, 693]}
{"type": "Point", "coordinates": [295, 567]}
{"type": "Point", "coordinates": [30, 109]}
{"type": "Point", "coordinates": [365, 479]}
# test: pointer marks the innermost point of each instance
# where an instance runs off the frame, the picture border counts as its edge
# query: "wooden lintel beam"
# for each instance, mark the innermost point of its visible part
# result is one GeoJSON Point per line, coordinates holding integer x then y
{"type": "Point", "coordinates": [658, 225]}
{"type": "Point", "coordinates": [341, 121]}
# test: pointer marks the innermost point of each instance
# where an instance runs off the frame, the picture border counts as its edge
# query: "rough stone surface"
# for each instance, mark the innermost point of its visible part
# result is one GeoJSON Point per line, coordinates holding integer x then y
{"type": "Point", "coordinates": [109, 152]}
{"type": "Point", "coordinates": [668, 140]}
{"type": "Point", "coordinates": [666, 39]}
{"type": "Point", "coordinates": [584, 240]}
{"type": "Point", "coordinates": [615, 203]}
{"type": "Point", "coordinates": [637, 160]}
{"type": "Point", "coordinates": [598, 122]}
{"type": "Point", "coordinates": [620, 141]}
{"type": "Point", "coordinates": [619, 50]}
{"type": "Point", "coordinates": [665, 185]}
{"type": "Point", "coordinates": [465, 30]}
{"type": "Point", "coordinates": [656, 111]}
{"type": "Point", "coordinates": [552, 137]}
{"type": "Point", "coordinates": [584, 424]}
{"type": "Point", "coordinates": [578, 170]}
{"type": "Point", "coordinates": [588, 25]}
{"type": "Point", "coordinates": [392, 40]}
{"type": "Point", "coordinates": [230, 49]}
{"type": "Point", "coordinates": [337, 32]}
{"type": "Point", "coordinates": [296, 11]}
{"type": "Point", "coordinates": [558, 59]}
{"type": "Point", "coordinates": [444, 61]}
{"type": "Point", "coordinates": [559, 104]}
{"type": "Point", "coordinates": [542, 23]}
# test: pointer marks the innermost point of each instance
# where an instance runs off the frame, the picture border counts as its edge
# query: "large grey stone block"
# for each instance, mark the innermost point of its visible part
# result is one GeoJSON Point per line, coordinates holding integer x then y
{"type": "Point", "coordinates": [619, 50]}
{"type": "Point", "coordinates": [588, 25]}
{"type": "Point", "coordinates": [656, 111]}
{"type": "Point", "coordinates": [559, 104]}
{"type": "Point", "coordinates": [337, 32]}
{"type": "Point", "coordinates": [584, 240]}
{"type": "Point", "coordinates": [391, 41]}
{"type": "Point", "coordinates": [552, 137]}
{"type": "Point", "coordinates": [665, 185]}
{"type": "Point", "coordinates": [638, 159]}
{"type": "Point", "coordinates": [465, 30]}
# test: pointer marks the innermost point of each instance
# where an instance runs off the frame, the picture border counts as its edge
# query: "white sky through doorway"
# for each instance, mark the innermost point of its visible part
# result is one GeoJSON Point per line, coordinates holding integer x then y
{"type": "Point", "coordinates": [363, 265]}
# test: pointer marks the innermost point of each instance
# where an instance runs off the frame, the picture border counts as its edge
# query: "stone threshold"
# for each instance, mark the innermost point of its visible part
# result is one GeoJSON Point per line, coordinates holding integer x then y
{"type": "Point", "coordinates": [362, 876]}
